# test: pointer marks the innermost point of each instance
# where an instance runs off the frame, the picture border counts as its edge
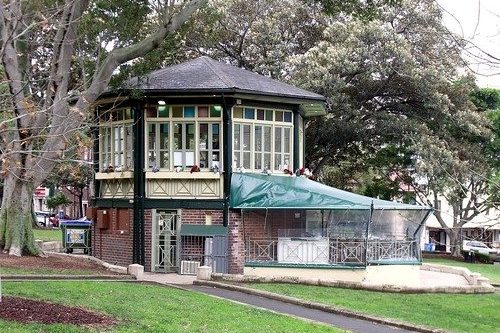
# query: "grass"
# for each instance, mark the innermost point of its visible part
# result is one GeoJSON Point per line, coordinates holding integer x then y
{"type": "Point", "coordinates": [492, 272]}
{"type": "Point", "coordinates": [150, 308]}
{"type": "Point", "coordinates": [48, 235]}
{"type": "Point", "coordinates": [459, 313]}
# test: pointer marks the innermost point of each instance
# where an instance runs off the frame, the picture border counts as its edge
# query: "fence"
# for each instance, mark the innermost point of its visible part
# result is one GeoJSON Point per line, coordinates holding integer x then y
{"type": "Point", "coordinates": [328, 251]}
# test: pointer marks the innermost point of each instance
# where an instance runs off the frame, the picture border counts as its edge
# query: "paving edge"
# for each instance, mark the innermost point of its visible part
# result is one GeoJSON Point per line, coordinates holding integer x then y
{"type": "Point", "coordinates": [112, 268]}
{"type": "Point", "coordinates": [465, 289]}
{"type": "Point", "coordinates": [319, 306]}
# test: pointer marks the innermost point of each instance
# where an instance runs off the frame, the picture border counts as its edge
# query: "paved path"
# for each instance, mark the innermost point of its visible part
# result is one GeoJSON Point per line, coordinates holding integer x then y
{"type": "Point", "coordinates": [343, 322]}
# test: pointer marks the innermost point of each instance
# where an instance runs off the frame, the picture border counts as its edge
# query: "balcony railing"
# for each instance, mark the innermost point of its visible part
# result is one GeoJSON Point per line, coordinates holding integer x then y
{"type": "Point", "coordinates": [328, 251]}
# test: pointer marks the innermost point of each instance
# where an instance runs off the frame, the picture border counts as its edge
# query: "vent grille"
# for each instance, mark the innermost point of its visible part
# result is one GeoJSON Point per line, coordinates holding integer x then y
{"type": "Point", "coordinates": [189, 267]}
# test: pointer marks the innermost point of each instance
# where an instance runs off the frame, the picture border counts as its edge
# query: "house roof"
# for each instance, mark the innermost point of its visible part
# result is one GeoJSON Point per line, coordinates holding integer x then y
{"type": "Point", "coordinates": [205, 74]}
{"type": "Point", "coordinates": [260, 191]}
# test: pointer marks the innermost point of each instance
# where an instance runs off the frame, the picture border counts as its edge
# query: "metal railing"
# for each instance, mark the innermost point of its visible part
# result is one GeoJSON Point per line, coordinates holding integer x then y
{"type": "Point", "coordinates": [328, 251]}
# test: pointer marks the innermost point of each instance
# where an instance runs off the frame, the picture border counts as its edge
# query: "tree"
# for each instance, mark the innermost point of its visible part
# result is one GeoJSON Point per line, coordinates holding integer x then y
{"type": "Point", "coordinates": [393, 86]}
{"type": "Point", "coordinates": [48, 104]}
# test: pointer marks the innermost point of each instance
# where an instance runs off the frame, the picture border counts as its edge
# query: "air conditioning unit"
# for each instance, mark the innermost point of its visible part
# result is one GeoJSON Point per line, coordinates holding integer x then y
{"type": "Point", "coordinates": [189, 267]}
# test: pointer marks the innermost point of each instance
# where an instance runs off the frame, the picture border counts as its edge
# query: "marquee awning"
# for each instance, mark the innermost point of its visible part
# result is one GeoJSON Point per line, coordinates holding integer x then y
{"type": "Point", "coordinates": [261, 191]}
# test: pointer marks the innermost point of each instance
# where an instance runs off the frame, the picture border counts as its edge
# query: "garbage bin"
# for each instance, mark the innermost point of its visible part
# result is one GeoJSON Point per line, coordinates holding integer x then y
{"type": "Point", "coordinates": [76, 235]}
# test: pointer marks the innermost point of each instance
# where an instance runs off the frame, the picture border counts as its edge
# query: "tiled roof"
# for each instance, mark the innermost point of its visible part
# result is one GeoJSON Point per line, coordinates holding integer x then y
{"type": "Point", "coordinates": [206, 74]}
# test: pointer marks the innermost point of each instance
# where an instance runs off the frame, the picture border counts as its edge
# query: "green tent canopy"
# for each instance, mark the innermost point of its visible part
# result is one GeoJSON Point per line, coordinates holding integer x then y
{"type": "Point", "coordinates": [261, 191]}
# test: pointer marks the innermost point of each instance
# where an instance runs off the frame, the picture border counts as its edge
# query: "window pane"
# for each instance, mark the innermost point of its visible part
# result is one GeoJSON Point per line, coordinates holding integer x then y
{"type": "Point", "coordinates": [190, 137]}
{"type": "Point", "coordinates": [277, 139]}
{"type": "Point", "coordinates": [163, 111]}
{"type": "Point", "coordinates": [164, 163]}
{"type": "Point", "coordinates": [129, 149]}
{"type": "Point", "coordinates": [203, 139]}
{"type": "Point", "coordinates": [258, 138]}
{"type": "Point", "coordinates": [249, 113]}
{"type": "Point", "coordinates": [215, 136]}
{"type": "Point", "coordinates": [267, 138]}
{"type": "Point", "coordinates": [260, 114]}
{"type": "Point", "coordinates": [189, 158]}
{"type": "Point", "coordinates": [269, 115]}
{"type": "Point", "coordinates": [238, 112]}
{"type": "Point", "coordinates": [204, 159]}
{"type": "Point", "coordinates": [246, 137]}
{"type": "Point", "coordinates": [277, 161]}
{"type": "Point", "coordinates": [258, 161]}
{"type": "Point", "coordinates": [128, 114]}
{"type": "Point", "coordinates": [246, 160]}
{"type": "Point", "coordinates": [236, 137]}
{"type": "Point", "coordinates": [288, 117]}
{"type": "Point", "coordinates": [286, 140]}
{"type": "Point", "coordinates": [151, 136]}
{"type": "Point", "coordinates": [152, 158]}
{"type": "Point", "coordinates": [164, 136]}
{"type": "Point", "coordinates": [151, 112]}
{"type": "Point", "coordinates": [203, 111]}
{"type": "Point", "coordinates": [215, 111]}
{"type": "Point", "coordinates": [215, 159]}
{"type": "Point", "coordinates": [177, 111]}
{"type": "Point", "coordinates": [177, 136]}
{"type": "Point", "coordinates": [267, 161]}
{"type": "Point", "coordinates": [279, 116]}
{"type": "Point", "coordinates": [189, 112]}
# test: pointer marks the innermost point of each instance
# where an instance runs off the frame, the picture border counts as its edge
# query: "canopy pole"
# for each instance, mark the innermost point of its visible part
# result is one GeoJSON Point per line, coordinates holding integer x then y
{"type": "Point", "coordinates": [417, 242]}
{"type": "Point", "coordinates": [367, 232]}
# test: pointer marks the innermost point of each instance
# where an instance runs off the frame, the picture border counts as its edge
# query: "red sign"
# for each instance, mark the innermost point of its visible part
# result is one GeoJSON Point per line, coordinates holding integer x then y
{"type": "Point", "coordinates": [40, 192]}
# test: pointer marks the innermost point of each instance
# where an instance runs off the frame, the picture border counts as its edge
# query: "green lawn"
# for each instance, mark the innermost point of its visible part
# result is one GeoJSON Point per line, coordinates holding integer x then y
{"type": "Point", "coordinates": [149, 308]}
{"type": "Point", "coordinates": [48, 234]}
{"type": "Point", "coordinates": [492, 272]}
{"type": "Point", "coordinates": [458, 313]}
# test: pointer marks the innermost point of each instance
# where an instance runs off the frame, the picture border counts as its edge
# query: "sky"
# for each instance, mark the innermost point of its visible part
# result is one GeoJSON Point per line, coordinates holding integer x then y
{"type": "Point", "coordinates": [477, 21]}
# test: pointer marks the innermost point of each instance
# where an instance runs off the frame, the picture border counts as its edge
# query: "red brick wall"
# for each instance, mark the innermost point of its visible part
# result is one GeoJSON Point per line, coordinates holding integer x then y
{"type": "Point", "coordinates": [256, 224]}
{"type": "Point", "coordinates": [197, 216]}
{"type": "Point", "coordinates": [113, 245]}
{"type": "Point", "coordinates": [148, 238]}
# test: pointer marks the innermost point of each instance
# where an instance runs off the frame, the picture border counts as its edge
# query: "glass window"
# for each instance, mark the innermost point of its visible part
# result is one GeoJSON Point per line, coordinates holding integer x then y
{"type": "Point", "coordinates": [152, 145]}
{"type": "Point", "coordinates": [238, 112]}
{"type": "Point", "coordinates": [184, 145]}
{"type": "Point", "coordinates": [203, 111]}
{"type": "Point", "coordinates": [215, 111]}
{"type": "Point", "coordinates": [278, 116]}
{"type": "Point", "coordinates": [249, 113]}
{"type": "Point", "coordinates": [173, 142]}
{"type": "Point", "coordinates": [177, 112]}
{"type": "Point", "coordinates": [189, 112]}
{"type": "Point", "coordinates": [163, 111]}
{"type": "Point", "coordinates": [116, 140]}
{"type": "Point", "coordinates": [269, 115]}
{"type": "Point", "coordinates": [260, 114]}
{"type": "Point", "coordinates": [262, 145]}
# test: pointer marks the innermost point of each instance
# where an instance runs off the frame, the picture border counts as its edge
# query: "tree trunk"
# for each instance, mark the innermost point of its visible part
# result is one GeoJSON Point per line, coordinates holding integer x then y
{"type": "Point", "coordinates": [80, 202]}
{"type": "Point", "coordinates": [16, 218]}
{"type": "Point", "coordinates": [455, 245]}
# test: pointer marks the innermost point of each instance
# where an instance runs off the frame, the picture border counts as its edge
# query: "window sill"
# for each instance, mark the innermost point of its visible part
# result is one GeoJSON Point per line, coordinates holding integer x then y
{"type": "Point", "coordinates": [182, 175]}
{"type": "Point", "coordinates": [114, 175]}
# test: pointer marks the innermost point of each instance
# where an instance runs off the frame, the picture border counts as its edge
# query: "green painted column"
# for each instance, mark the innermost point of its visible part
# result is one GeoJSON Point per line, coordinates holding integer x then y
{"type": "Point", "coordinates": [139, 183]}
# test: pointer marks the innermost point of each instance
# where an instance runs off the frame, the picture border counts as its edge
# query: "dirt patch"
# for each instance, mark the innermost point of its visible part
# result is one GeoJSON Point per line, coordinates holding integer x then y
{"type": "Point", "coordinates": [28, 311]}
{"type": "Point", "coordinates": [53, 262]}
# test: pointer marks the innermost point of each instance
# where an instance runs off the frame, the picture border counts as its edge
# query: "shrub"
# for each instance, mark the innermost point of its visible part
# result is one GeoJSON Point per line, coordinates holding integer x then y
{"type": "Point", "coordinates": [479, 257]}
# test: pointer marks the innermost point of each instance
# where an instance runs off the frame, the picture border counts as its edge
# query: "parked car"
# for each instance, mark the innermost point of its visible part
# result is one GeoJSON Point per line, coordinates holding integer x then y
{"type": "Point", "coordinates": [42, 218]}
{"type": "Point", "coordinates": [476, 246]}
